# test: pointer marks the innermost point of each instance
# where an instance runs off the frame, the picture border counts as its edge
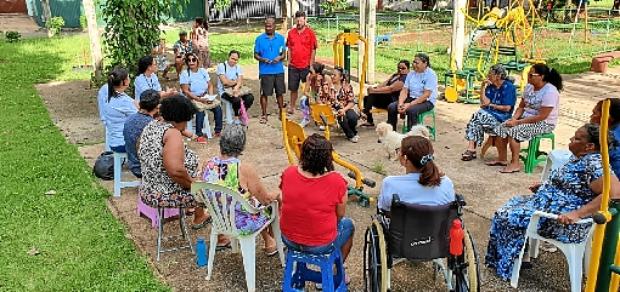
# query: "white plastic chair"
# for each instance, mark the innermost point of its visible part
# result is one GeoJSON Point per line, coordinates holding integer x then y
{"type": "Point", "coordinates": [228, 111]}
{"type": "Point", "coordinates": [222, 211]}
{"type": "Point", "coordinates": [118, 175]}
{"type": "Point", "coordinates": [574, 252]}
{"type": "Point", "coordinates": [556, 159]}
{"type": "Point", "coordinates": [206, 128]}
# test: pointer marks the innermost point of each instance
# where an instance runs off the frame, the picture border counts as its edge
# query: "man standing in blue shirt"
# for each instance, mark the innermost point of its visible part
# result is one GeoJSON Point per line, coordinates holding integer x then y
{"type": "Point", "coordinates": [269, 50]}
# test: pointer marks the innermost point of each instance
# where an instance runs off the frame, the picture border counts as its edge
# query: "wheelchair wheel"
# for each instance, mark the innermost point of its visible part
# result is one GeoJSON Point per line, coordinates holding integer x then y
{"type": "Point", "coordinates": [467, 279]}
{"type": "Point", "coordinates": [375, 259]}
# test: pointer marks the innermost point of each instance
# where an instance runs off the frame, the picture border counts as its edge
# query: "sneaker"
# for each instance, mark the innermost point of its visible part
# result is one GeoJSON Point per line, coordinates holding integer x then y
{"type": "Point", "coordinates": [322, 128]}
{"type": "Point", "coordinates": [201, 140]}
{"type": "Point", "coordinates": [355, 139]}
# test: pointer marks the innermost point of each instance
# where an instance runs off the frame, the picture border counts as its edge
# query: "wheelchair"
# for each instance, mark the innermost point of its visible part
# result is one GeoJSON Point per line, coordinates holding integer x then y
{"type": "Point", "coordinates": [421, 234]}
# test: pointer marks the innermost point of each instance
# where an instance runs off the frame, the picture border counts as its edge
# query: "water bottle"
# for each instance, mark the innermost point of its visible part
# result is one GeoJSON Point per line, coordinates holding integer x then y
{"type": "Point", "coordinates": [201, 252]}
{"type": "Point", "coordinates": [456, 238]}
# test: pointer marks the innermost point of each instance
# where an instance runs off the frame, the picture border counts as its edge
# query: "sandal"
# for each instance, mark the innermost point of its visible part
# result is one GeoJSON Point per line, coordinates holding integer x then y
{"type": "Point", "coordinates": [201, 225]}
{"type": "Point", "coordinates": [263, 119]}
{"type": "Point", "coordinates": [224, 246]}
{"type": "Point", "coordinates": [468, 155]}
{"type": "Point", "coordinates": [271, 250]}
{"type": "Point", "coordinates": [496, 163]}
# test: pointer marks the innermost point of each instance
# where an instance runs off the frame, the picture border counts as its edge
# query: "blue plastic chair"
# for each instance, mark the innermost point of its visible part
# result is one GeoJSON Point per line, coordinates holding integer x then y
{"type": "Point", "coordinates": [297, 273]}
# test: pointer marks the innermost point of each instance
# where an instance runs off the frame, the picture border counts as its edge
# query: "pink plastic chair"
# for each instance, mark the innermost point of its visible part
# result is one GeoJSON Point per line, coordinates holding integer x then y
{"type": "Point", "coordinates": [151, 213]}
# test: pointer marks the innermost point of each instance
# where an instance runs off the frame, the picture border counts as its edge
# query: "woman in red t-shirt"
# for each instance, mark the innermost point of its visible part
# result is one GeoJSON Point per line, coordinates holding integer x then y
{"type": "Point", "coordinates": [314, 199]}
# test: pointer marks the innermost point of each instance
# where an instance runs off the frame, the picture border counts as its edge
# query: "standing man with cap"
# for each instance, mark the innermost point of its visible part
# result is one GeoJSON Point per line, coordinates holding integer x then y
{"type": "Point", "coordinates": [269, 51]}
{"type": "Point", "coordinates": [302, 45]}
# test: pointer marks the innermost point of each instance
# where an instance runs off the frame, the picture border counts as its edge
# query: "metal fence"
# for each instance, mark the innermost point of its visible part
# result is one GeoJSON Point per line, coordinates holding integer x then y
{"type": "Point", "coordinates": [248, 9]}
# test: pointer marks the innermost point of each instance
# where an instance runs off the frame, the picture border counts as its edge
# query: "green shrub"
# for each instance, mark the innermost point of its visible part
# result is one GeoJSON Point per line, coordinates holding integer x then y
{"type": "Point", "coordinates": [55, 24]}
{"type": "Point", "coordinates": [12, 36]}
{"type": "Point", "coordinates": [83, 23]}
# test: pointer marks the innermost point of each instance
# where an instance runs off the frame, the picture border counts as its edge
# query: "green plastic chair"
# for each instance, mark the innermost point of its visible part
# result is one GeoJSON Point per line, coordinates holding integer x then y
{"type": "Point", "coordinates": [421, 118]}
{"type": "Point", "coordinates": [532, 156]}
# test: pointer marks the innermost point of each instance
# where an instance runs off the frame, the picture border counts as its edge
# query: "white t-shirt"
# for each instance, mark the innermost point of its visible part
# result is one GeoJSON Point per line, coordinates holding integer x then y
{"type": "Point", "coordinates": [410, 191]}
{"type": "Point", "coordinates": [232, 73]}
{"type": "Point", "coordinates": [198, 81]}
{"type": "Point", "coordinates": [547, 96]}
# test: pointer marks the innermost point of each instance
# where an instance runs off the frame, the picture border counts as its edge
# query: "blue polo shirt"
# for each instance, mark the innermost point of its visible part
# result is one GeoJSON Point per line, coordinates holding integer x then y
{"type": "Point", "coordinates": [143, 83]}
{"type": "Point", "coordinates": [115, 113]}
{"type": "Point", "coordinates": [198, 82]}
{"type": "Point", "coordinates": [506, 94]}
{"type": "Point", "coordinates": [417, 83]}
{"type": "Point", "coordinates": [410, 191]}
{"type": "Point", "coordinates": [270, 48]}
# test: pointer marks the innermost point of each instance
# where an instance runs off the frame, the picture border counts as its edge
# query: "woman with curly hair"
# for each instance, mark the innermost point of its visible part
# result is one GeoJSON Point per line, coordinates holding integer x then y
{"type": "Point", "coordinates": [314, 192]}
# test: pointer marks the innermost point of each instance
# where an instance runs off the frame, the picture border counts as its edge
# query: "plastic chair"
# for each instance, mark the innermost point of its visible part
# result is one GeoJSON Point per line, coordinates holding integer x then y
{"type": "Point", "coordinates": [574, 252]}
{"type": "Point", "coordinates": [297, 272]}
{"type": "Point", "coordinates": [228, 111]}
{"type": "Point", "coordinates": [555, 159]}
{"type": "Point", "coordinates": [221, 202]}
{"type": "Point", "coordinates": [532, 154]}
{"type": "Point", "coordinates": [118, 175]}
{"type": "Point", "coordinates": [152, 213]}
{"type": "Point", "coordinates": [206, 128]}
{"type": "Point", "coordinates": [421, 118]}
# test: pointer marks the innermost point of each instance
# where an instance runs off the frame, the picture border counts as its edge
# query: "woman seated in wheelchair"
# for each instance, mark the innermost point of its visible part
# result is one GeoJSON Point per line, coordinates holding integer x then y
{"type": "Point", "coordinates": [314, 199]}
{"type": "Point", "coordinates": [422, 183]}
{"type": "Point", "coordinates": [572, 191]}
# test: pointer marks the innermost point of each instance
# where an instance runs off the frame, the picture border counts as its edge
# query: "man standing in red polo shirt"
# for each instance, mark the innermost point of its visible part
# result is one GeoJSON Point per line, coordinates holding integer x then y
{"type": "Point", "coordinates": [302, 44]}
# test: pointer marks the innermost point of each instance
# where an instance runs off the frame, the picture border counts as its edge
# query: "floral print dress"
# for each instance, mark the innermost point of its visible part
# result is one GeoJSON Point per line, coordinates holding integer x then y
{"type": "Point", "coordinates": [567, 189]}
{"type": "Point", "coordinates": [225, 172]}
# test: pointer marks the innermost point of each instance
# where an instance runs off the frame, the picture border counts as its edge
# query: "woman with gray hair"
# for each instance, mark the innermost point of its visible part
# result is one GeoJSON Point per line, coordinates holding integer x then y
{"type": "Point", "coordinates": [497, 101]}
{"type": "Point", "coordinates": [227, 170]}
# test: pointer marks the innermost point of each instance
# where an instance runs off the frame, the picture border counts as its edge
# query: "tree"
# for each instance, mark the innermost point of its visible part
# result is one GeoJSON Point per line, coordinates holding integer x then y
{"type": "Point", "coordinates": [132, 28]}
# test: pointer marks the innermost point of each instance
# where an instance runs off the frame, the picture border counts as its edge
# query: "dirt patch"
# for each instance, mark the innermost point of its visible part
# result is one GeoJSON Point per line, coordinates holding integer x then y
{"type": "Point", "coordinates": [73, 108]}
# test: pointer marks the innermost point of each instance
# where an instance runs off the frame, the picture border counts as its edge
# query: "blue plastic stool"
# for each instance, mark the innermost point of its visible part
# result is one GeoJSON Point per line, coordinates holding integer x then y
{"type": "Point", "coordinates": [297, 273]}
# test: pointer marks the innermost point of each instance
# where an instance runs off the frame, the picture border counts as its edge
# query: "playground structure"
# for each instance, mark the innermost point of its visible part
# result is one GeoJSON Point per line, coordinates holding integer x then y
{"type": "Point", "coordinates": [294, 136]}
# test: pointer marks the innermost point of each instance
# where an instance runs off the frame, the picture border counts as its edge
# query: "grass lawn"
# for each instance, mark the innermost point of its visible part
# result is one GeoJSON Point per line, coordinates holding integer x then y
{"type": "Point", "coordinates": [63, 242]}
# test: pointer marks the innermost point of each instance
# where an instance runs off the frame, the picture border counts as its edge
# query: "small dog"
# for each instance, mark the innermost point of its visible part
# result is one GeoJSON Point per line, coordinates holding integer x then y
{"type": "Point", "coordinates": [391, 140]}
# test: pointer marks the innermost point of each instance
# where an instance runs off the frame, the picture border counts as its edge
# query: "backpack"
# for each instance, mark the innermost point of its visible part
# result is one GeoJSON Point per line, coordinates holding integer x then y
{"type": "Point", "coordinates": [104, 166]}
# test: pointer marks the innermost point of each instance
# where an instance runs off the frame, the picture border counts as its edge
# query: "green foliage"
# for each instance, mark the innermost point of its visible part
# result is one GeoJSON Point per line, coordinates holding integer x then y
{"type": "Point", "coordinates": [83, 23]}
{"type": "Point", "coordinates": [67, 241]}
{"type": "Point", "coordinates": [55, 24]}
{"type": "Point", "coordinates": [379, 168]}
{"type": "Point", "coordinates": [222, 4]}
{"type": "Point", "coordinates": [132, 28]}
{"type": "Point", "coordinates": [12, 36]}
{"type": "Point", "coordinates": [331, 6]}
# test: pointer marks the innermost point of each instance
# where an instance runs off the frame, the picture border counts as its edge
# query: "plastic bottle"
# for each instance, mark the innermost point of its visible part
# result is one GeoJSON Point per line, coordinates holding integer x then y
{"type": "Point", "coordinates": [201, 252]}
{"type": "Point", "coordinates": [456, 238]}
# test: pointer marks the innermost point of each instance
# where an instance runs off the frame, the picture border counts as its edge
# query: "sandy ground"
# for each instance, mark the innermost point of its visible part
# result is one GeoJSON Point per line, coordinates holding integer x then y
{"type": "Point", "coordinates": [72, 106]}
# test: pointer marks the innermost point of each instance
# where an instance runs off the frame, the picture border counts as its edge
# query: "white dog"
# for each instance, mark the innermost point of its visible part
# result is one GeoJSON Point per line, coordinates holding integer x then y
{"type": "Point", "coordinates": [391, 140]}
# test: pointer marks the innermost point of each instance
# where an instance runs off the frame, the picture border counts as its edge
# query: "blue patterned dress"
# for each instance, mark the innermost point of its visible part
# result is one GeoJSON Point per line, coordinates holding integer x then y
{"type": "Point", "coordinates": [225, 172]}
{"type": "Point", "coordinates": [567, 189]}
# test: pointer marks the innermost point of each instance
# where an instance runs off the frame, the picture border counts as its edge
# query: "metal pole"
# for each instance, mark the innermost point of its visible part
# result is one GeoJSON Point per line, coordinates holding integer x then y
{"type": "Point", "coordinates": [347, 53]}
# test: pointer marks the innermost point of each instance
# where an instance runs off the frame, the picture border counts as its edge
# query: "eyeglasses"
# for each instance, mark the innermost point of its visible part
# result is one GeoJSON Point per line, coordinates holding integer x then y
{"type": "Point", "coordinates": [192, 60]}
{"type": "Point", "coordinates": [402, 68]}
{"type": "Point", "coordinates": [532, 74]}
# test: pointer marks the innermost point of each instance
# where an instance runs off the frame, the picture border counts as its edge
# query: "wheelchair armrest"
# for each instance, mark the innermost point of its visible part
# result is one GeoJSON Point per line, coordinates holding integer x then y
{"type": "Point", "coordinates": [460, 200]}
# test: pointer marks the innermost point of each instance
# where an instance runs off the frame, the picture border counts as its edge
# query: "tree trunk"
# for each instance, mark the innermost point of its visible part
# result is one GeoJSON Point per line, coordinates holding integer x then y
{"type": "Point", "coordinates": [458, 32]}
{"type": "Point", "coordinates": [93, 34]}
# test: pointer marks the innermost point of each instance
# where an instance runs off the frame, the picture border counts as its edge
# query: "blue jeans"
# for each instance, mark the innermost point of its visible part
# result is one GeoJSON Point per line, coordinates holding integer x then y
{"type": "Point", "coordinates": [118, 149]}
{"type": "Point", "coordinates": [217, 116]}
{"type": "Point", "coordinates": [345, 231]}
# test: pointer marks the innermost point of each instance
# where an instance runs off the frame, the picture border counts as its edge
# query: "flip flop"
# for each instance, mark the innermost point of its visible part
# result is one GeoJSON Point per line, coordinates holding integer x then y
{"type": "Point", "coordinates": [496, 163]}
{"type": "Point", "coordinates": [263, 120]}
{"type": "Point", "coordinates": [223, 247]}
{"type": "Point", "coordinates": [269, 251]}
{"type": "Point", "coordinates": [509, 171]}
{"type": "Point", "coordinates": [468, 155]}
{"type": "Point", "coordinates": [201, 225]}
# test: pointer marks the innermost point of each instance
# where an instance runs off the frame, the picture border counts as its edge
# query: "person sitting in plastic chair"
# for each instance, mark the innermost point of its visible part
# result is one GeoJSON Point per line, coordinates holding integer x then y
{"type": "Point", "coordinates": [314, 192]}
{"type": "Point", "coordinates": [572, 191]}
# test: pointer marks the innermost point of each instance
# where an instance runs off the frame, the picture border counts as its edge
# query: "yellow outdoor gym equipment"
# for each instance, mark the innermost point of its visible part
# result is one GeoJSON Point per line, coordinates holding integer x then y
{"type": "Point", "coordinates": [294, 136]}
{"type": "Point", "coordinates": [604, 271]}
{"type": "Point", "coordinates": [352, 39]}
